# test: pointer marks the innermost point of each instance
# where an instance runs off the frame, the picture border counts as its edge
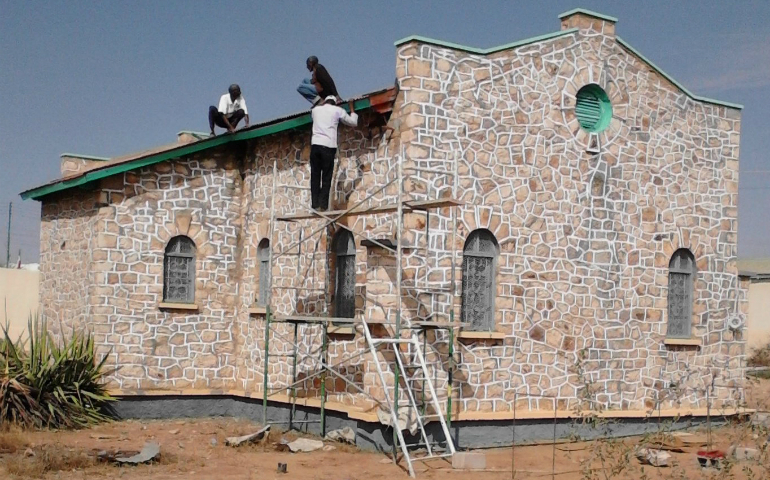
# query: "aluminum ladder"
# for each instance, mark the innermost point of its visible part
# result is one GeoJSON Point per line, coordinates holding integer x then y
{"type": "Point", "coordinates": [414, 344]}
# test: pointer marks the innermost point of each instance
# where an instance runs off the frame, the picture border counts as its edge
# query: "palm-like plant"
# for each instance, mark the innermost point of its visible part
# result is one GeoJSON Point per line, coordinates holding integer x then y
{"type": "Point", "coordinates": [44, 384]}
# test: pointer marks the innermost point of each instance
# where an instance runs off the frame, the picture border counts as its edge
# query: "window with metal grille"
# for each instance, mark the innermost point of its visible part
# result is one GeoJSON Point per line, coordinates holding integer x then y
{"type": "Point", "coordinates": [345, 278]}
{"type": "Point", "coordinates": [681, 275]}
{"type": "Point", "coordinates": [263, 256]}
{"type": "Point", "coordinates": [593, 108]}
{"type": "Point", "coordinates": [479, 258]}
{"type": "Point", "coordinates": [179, 271]}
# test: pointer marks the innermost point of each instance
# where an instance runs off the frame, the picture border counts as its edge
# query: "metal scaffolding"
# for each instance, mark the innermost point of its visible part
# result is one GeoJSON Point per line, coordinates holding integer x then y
{"type": "Point", "coordinates": [403, 204]}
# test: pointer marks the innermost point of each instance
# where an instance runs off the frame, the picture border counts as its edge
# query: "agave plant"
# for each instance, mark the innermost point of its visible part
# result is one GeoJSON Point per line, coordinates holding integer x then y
{"type": "Point", "coordinates": [44, 384]}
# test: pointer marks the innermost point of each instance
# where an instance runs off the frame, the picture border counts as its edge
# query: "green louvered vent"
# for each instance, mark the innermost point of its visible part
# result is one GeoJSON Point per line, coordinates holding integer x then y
{"type": "Point", "coordinates": [593, 108]}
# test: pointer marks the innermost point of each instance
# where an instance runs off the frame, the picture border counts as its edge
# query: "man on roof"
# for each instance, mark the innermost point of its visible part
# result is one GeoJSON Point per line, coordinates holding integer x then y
{"type": "Point", "coordinates": [319, 85]}
{"type": "Point", "coordinates": [232, 108]}
{"type": "Point", "coordinates": [323, 149]}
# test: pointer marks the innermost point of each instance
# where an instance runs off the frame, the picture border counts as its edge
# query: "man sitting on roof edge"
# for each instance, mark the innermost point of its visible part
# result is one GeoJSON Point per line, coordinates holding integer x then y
{"type": "Point", "coordinates": [232, 108]}
{"type": "Point", "coordinates": [319, 85]}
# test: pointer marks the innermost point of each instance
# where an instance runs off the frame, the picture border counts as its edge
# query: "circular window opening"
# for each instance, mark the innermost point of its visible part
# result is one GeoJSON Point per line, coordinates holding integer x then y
{"type": "Point", "coordinates": [593, 108]}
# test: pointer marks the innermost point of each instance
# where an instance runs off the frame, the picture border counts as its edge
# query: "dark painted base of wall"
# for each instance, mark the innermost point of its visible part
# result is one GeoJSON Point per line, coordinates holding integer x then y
{"type": "Point", "coordinates": [375, 436]}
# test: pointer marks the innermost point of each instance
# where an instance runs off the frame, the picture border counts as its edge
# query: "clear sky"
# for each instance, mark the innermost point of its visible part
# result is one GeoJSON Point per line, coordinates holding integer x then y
{"type": "Point", "coordinates": [109, 78]}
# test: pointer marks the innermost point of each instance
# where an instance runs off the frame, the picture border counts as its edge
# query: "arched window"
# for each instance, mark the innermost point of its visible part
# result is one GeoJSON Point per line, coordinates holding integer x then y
{"type": "Point", "coordinates": [345, 282]}
{"type": "Point", "coordinates": [179, 271]}
{"type": "Point", "coordinates": [681, 275]}
{"type": "Point", "coordinates": [263, 255]}
{"type": "Point", "coordinates": [479, 258]}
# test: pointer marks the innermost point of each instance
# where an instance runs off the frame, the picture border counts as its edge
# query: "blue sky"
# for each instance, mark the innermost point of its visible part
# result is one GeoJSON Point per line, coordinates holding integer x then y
{"type": "Point", "coordinates": [109, 78]}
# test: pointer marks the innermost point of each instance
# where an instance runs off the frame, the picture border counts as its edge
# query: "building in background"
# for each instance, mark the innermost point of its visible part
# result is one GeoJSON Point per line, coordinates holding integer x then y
{"type": "Point", "coordinates": [19, 294]}
{"type": "Point", "coordinates": [757, 271]}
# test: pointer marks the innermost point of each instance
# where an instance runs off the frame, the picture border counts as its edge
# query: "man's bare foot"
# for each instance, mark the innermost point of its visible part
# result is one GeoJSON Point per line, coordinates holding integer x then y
{"type": "Point", "coordinates": [212, 134]}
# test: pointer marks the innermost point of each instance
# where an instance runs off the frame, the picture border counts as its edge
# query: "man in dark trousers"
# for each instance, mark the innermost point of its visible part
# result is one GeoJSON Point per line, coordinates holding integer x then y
{"type": "Point", "coordinates": [319, 85]}
{"type": "Point", "coordinates": [232, 108]}
{"type": "Point", "coordinates": [326, 118]}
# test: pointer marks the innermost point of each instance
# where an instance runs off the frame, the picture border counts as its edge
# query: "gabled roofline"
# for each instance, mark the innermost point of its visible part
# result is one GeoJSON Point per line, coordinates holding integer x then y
{"type": "Point", "coordinates": [271, 127]}
{"type": "Point", "coordinates": [590, 13]}
{"type": "Point", "coordinates": [84, 157]}
{"type": "Point", "coordinates": [671, 79]}
{"type": "Point", "coordinates": [486, 51]}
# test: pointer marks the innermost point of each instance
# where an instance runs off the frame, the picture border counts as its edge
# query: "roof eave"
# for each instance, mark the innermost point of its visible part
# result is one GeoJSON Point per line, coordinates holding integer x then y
{"type": "Point", "coordinates": [261, 130]}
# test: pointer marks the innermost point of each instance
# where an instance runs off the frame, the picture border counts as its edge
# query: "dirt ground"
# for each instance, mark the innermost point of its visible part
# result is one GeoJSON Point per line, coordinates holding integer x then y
{"type": "Point", "coordinates": [195, 449]}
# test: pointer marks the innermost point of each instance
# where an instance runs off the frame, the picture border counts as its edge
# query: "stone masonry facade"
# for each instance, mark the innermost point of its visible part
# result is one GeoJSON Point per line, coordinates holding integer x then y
{"type": "Point", "coordinates": [585, 224]}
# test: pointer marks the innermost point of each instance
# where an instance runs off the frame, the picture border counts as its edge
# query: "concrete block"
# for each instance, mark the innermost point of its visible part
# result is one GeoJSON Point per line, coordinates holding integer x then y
{"type": "Point", "coordinates": [469, 461]}
{"type": "Point", "coordinates": [744, 453]}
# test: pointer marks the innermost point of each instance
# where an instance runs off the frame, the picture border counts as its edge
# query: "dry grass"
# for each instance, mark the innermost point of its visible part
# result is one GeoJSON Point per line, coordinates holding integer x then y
{"type": "Point", "coordinates": [12, 439]}
{"type": "Point", "coordinates": [50, 458]}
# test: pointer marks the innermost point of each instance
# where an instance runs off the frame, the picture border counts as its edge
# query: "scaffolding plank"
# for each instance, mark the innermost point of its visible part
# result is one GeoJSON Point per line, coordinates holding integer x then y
{"type": "Point", "coordinates": [321, 319]}
{"type": "Point", "coordinates": [388, 208]}
{"type": "Point", "coordinates": [429, 204]}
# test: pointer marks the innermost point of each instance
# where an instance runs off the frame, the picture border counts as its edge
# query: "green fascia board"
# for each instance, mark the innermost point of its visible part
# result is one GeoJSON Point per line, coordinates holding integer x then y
{"type": "Point", "coordinates": [485, 51]}
{"type": "Point", "coordinates": [93, 175]}
{"type": "Point", "coordinates": [84, 157]}
{"type": "Point", "coordinates": [590, 13]}
{"type": "Point", "coordinates": [671, 79]}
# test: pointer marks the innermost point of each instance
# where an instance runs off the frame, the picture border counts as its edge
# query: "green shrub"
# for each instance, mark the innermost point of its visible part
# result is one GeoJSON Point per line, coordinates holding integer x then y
{"type": "Point", "coordinates": [45, 384]}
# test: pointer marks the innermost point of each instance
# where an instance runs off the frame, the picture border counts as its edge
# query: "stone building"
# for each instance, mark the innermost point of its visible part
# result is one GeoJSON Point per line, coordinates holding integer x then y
{"type": "Point", "coordinates": [593, 245]}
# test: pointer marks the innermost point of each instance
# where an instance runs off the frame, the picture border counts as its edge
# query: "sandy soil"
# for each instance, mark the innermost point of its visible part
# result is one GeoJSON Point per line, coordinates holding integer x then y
{"type": "Point", "coordinates": [190, 452]}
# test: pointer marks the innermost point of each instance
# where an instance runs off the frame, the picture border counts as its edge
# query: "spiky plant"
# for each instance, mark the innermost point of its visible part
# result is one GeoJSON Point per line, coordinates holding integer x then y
{"type": "Point", "coordinates": [44, 384]}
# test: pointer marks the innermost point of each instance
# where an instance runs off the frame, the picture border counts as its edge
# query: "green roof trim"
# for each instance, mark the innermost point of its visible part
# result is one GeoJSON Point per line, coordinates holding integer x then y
{"type": "Point", "coordinates": [671, 79]}
{"type": "Point", "coordinates": [84, 157]}
{"type": "Point", "coordinates": [189, 149]}
{"type": "Point", "coordinates": [486, 51]}
{"type": "Point", "coordinates": [590, 13]}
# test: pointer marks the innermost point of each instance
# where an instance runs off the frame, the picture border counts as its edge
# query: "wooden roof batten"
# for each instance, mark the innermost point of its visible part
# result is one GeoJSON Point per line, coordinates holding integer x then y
{"type": "Point", "coordinates": [408, 206]}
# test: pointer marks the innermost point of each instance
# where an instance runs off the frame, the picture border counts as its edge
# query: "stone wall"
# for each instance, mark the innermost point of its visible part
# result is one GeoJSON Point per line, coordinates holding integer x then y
{"type": "Point", "coordinates": [586, 225]}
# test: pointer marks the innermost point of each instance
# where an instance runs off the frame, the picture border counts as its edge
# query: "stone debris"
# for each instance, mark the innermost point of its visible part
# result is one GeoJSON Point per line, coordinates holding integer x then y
{"type": "Point", "coordinates": [743, 453]}
{"type": "Point", "coordinates": [213, 442]}
{"type": "Point", "coordinates": [29, 452]}
{"type": "Point", "coordinates": [344, 435]}
{"type": "Point", "coordinates": [651, 456]}
{"type": "Point", "coordinates": [329, 448]}
{"type": "Point", "coordinates": [305, 445]}
{"type": "Point", "coordinates": [407, 420]}
{"type": "Point", "coordinates": [150, 452]}
{"type": "Point", "coordinates": [761, 419]}
{"type": "Point", "coordinates": [173, 432]}
{"type": "Point", "coordinates": [252, 437]}
{"type": "Point", "coordinates": [102, 436]}
{"type": "Point", "coordinates": [469, 461]}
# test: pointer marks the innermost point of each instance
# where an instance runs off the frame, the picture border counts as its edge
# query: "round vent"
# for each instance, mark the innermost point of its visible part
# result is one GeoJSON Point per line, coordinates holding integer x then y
{"type": "Point", "coordinates": [593, 108]}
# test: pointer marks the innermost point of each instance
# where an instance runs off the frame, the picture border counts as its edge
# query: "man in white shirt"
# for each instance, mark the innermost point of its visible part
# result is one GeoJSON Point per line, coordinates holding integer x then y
{"type": "Point", "coordinates": [326, 118]}
{"type": "Point", "coordinates": [232, 108]}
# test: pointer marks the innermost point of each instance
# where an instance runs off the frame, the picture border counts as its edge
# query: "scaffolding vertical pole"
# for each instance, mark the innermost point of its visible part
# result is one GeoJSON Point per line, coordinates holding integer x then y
{"type": "Point", "coordinates": [453, 293]}
{"type": "Point", "coordinates": [293, 408]}
{"type": "Point", "coordinates": [264, 370]}
{"type": "Point", "coordinates": [399, 266]}
{"type": "Point", "coordinates": [324, 356]}
{"type": "Point", "coordinates": [293, 379]}
{"type": "Point", "coordinates": [268, 310]}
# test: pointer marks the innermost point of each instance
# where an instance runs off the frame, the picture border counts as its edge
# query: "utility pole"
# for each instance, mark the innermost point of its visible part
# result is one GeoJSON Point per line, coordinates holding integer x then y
{"type": "Point", "coordinates": [8, 245]}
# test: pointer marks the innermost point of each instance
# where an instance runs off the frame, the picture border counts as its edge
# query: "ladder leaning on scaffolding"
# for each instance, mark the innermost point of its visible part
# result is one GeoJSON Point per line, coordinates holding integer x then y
{"type": "Point", "coordinates": [411, 373]}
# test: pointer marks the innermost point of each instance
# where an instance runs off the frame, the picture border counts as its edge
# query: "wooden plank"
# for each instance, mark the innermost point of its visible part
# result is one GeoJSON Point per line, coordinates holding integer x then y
{"type": "Point", "coordinates": [429, 204]}
{"type": "Point", "coordinates": [409, 205]}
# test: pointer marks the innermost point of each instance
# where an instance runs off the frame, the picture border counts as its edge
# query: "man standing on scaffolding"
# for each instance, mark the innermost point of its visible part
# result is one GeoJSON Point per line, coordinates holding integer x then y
{"type": "Point", "coordinates": [326, 118]}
